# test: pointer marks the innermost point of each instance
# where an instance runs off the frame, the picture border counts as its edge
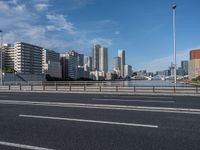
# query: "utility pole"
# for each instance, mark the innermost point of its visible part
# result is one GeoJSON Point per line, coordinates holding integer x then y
{"type": "Point", "coordinates": [174, 39]}
{"type": "Point", "coordinates": [1, 32]}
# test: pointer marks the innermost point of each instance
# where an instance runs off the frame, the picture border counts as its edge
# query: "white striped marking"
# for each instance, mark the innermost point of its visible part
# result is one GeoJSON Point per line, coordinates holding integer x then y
{"type": "Point", "coordinates": [133, 100]}
{"type": "Point", "coordinates": [104, 106]}
{"type": "Point", "coordinates": [23, 146]}
{"type": "Point", "coordinates": [147, 97]}
{"type": "Point", "coordinates": [90, 121]}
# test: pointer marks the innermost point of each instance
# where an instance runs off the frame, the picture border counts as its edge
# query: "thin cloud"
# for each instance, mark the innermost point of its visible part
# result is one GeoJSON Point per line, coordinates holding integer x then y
{"type": "Point", "coordinates": [117, 32]}
{"type": "Point", "coordinates": [23, 21]}
{"type": "Point", "coordinates": [76, 4]}
{"type": "Point", "coordinates": [59, 22]}
{"type": "Point", "coordinates": [12, 8]}
{"type": "Point", "coordinates": [163, 63]}
{"type": "Point", "coordinates": [41, 7]}
{"type": "Point", "coordinates": [102, 41]}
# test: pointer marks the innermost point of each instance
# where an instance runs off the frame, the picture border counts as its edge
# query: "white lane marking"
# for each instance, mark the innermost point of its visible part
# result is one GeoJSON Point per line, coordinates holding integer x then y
{"type": "Point", "coordinates": [148, 97]}
{"type": "Point", "coordinates": [104, 106]}
{"type": "Point", "coordinates": [133, 100]}
{"type": "Point", "coordinates": [90, 121]}
{"type": "Point", "coordinates": [23, 146]}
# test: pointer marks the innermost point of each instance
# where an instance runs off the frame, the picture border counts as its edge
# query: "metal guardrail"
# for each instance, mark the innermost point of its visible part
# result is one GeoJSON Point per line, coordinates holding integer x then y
{"type": "Point", "coordinates": [101, 88]}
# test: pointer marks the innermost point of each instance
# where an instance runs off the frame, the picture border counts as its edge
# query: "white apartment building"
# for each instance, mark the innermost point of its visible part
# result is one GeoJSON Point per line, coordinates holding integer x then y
{"type": "Point", "coordinates": [28, 58]}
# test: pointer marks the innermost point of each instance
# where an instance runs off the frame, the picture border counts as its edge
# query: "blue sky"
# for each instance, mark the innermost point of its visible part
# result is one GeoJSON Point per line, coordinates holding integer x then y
{"type": "Point", "coordinates": [142, 27]}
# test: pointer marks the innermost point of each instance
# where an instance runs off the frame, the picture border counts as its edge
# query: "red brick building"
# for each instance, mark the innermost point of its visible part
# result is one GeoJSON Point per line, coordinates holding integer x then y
{"type": "Point", "coordinates": [194, 64]}
{"type": "Point", "coordinates": [195, 54]}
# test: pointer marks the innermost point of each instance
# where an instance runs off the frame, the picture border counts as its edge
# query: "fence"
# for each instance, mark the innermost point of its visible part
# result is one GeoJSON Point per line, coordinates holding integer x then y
{"type": "Point", "coordinates": [100, 87]}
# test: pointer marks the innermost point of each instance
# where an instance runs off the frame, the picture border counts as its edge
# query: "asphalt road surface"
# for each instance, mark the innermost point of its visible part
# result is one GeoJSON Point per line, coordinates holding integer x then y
{"type": "Point", "coordinates": [47, 121]}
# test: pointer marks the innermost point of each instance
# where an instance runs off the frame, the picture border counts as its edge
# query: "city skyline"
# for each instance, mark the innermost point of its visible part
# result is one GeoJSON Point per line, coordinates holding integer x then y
{"type": "Point", "coordinates": [142, 28]}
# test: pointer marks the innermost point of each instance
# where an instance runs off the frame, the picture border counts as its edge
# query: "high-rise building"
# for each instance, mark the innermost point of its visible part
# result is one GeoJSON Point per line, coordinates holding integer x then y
{"type": "Point", "coordinates": [64, 65]}
{"type": "Point", "coordinates": [128, 71]}
{"type": "Point", "coordinates": [121, 55]}
{"type": "Point", "coordinates": [194, 64]}
{"type": "Point", "coordinates": [8, 56]}
{"type": "Point", "coordinates": [116, 63]}
{"type": "Point", "coordinates": [28, 58]}
{"type": "Point", "coordinates": [184, 66]}
{"type": "Point", "coordinates": [103, 60]}
{"type": "Point", "coordinates": [69, 61]}
{"type": "Point", "coordinates": [95, 57]}
{"type": "Point", "coordinates": [49, 55]}
{"type": "Point", "coordinates": [80, 59]}
{"type": "Point", "coordinates": [51, 63]}
{"type": "Point", "coordinates": [100, 59]}
{"type": "Point", "coordinates": [88, 63]}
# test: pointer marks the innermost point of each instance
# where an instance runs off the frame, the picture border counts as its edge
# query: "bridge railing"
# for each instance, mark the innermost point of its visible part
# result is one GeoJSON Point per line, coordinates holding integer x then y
{"type": "Point", "coordinates": [100, 87]}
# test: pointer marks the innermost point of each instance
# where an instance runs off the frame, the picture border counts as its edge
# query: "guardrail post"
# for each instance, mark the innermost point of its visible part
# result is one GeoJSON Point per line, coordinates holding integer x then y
{"type": "Point", "coordinates": [174, 89]}
{"type": "Point", "coordinates": [116, 88]}
{"type": "Point", "coordinates": [43, 87]}
{"type": "Point", "coordinates": [9, 87]}
{"type": "Point", "coordinates": [153, 89]}
{"type": "Point", "coordinates": [196, 89]}
{"type": "Point", "coordinates": [99, 88]}
{"type": "Point", "coordinates": [70, 87]}
{"type": "Point", "coordinates": [31, 87]}
{"type": "Point", "coordinates": [84, 88]}
{"type": "Point", "coordinates": [56, 87]}
{"type": "Point", "coordinates": [134, 89]}
{"type": "Point", "coordinates": [20, 87]}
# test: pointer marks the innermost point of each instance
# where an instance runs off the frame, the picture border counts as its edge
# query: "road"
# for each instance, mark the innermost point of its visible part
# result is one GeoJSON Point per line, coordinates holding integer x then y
{"type": "Point", "coordinates": [49, 121]}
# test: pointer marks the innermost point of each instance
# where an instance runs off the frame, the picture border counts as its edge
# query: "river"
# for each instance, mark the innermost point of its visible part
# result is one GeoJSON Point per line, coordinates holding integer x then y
{"type": "Point", "coordinates": [148, 83]}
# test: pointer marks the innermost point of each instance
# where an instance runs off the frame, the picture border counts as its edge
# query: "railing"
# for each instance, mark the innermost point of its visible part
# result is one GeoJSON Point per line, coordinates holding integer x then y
{"type": "Point", "coordinates": [100, 87]}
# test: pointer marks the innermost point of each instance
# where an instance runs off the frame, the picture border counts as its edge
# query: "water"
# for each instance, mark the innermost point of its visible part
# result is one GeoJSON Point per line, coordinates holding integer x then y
{"type": "Point", "coordinates": [148, 83]}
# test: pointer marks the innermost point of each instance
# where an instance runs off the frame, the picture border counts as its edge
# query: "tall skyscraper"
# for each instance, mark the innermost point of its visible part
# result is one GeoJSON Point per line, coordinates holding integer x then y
{"type": "Point", "coordinates": [128, 71]}
{"type": "Point", "coordinates": [103, 60]}
{"type": "Point", "coordinates": [69, 62]}
{"type": "Point", "coordinates": [72, 64]}
{"type": "Point", "coordinates": [51, 63]}
{"type": "Point", "coordinates": [95, 57]}
{"type": "Point", "coordinates": [184, 66]}
{"type": "Point", "coordinates": [80, 59]}
{"type": "Point", "coordinates": [88, 62]}
{"type": "Point", "coordinates": [116, 63]}
{"type": "Point", "coordinates": [100, 59]}
{"type": "Point", "coordinates": [64, 65]}
{"type": "Point", "coordinates": [121, 55]}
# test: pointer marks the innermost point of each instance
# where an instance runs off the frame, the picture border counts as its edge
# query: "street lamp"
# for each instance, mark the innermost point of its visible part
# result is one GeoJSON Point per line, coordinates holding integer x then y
{"type": "Point", "coordinates": [1, 57]}
{"type": "Point", "coordinates": [174, 39]}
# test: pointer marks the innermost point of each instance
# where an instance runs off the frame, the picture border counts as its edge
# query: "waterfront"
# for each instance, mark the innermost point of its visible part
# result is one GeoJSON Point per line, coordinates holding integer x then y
{"type": "Point", "coordinates": [147, 83]}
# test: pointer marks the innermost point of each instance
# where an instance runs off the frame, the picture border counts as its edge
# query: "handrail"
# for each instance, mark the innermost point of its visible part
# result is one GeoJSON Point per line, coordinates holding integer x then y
{"type": "Point", "coordinates": [103, 89]}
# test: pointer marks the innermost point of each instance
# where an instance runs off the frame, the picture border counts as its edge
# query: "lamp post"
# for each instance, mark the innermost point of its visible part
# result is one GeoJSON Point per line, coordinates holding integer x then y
{"type": "Point", "coordinates": [174, 39]}
{"type": "Point", "coordinates": [1, 32]}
